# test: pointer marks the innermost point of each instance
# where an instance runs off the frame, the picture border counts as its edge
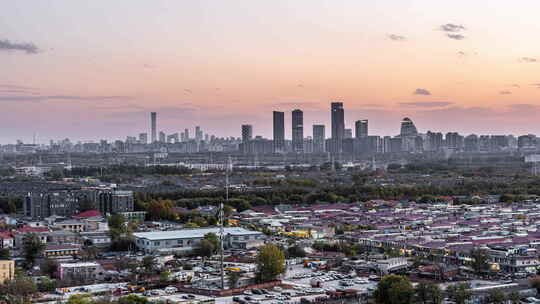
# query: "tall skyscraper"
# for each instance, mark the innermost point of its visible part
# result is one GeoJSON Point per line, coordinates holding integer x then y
{"type": "Point", "coordinates": [143, 138]}
{"type": "Point", "coordinates": [408, 128]}
{"type": "Point", "coordinates": [298, 131]}
{"type": "Point", "coordinates": [338, 126]}
{"type": "Point", "coordinates": [186, 134]}
{"type": "Point", "coordinates": [162, 137]}
{"type": "Point", "coordinates": [318, 138]}
{"type": "Point", "coordinates": [361, 128]}
{"type": "Point", "coordinates": [279, 132]}
{"type": "Point", "coordinates": [198, 133]}
{"type": "Point", "coordinates": [247, 133]}
{"type": "Point", "coordinates": [153, 123]}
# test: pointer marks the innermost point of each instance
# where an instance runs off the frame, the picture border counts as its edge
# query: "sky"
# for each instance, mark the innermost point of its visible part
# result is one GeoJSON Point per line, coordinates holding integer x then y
{"type": "Point", "coordinates": [95, 69]}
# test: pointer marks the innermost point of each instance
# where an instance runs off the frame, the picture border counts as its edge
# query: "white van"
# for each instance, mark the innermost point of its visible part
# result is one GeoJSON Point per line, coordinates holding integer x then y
{"type": "Point", "coordinates": [171, 289]}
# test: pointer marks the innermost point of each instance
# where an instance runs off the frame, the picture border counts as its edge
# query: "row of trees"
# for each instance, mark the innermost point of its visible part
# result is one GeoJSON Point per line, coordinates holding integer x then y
{"type": "Point", "coordinates": [395, 289]}
{"type": "Point", "coordinates": [192, 199]}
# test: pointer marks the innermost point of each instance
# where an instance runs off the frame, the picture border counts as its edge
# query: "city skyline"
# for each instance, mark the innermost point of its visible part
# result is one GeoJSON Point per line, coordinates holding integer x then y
{"type": "Point", "coordinates": [207, 64]}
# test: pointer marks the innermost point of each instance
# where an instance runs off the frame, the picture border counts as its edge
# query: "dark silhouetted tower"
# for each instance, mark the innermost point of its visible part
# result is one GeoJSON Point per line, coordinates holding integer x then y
{"type": "Point", "coordinates": [338, 126]}
{"type": "Point", "coordinates": [298, 131]}
{"type": "Point", "coordinates": [319, 138]}
{"type": "Point", "coordinates": [153, 124]}
{"type": "Point", "coordinates": [361, 128]}
{"type": "Point", "coordinates": [279, 132]}
{"type": "Point", "coordinates": [247, 133]}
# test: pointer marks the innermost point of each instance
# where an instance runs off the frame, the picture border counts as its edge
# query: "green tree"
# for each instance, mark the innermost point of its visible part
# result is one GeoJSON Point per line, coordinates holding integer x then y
{"type": "Point", "coordinates": [80, 299]}
{"type": "Point", "coordinates": [296, 252]}
{"type": "Point", "coordinates": [459, 293]}
{"type": "Point", "coordinates": [479, 260]}
{"type": "Point", "coordinates": [496, 296]}
{"type": "Point", "coordinates": [165, 276]}
{"type": "Point", "coordinates": [117, 221]}
{"type": "Point", "coordinates": [46, 285]}
{"type": "Point", "coordinates": [394, 289]}
{"type": "Point", "coordinates": [49, 267]}
{"type": "Point", "coordinates": [149, 263]}
{"type": "Point", "coordinates": [32, 248]}
{"type": "Point", "coordinates": [213, 238]}
{"type": "Point", "coordinates": [120, 232]}
{"type": "Point", "coordinates": [428, 293]}
{"type": "Point", "coordinates": [228, 210]}
{"type": "Point", "coordinates": [5, 254]}
{"type": "Point", "coordinates": [233, 278]}
{"type": "Point", "coordinates": [514, 297]}
{"type": "Point", "coordinates": [19, 290]}
{"type": "Point", "coordinates": [133, 299]}
{"type": "Point", "coordinates": [205, 248]}
{"type": "Point", "coordinates": [270, 263]}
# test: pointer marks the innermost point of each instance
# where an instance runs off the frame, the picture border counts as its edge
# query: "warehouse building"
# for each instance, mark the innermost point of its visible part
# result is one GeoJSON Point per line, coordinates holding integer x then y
{"type": "Point", "coordinates": [186, 240]}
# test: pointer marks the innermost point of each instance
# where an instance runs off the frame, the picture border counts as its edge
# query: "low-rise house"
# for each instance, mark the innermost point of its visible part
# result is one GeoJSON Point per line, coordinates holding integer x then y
{"type": "Point", "coordinates": [61, 251]}
{"type": "Point", "coordinates": [7, 270]}
{"type": "Point", "coordinates": [6, 240]}
{"type": "Point", "coordinates": [60, 237]}
{"type": "Point", "coordinates": [71, 225]}
{"type": "Point", "coordinates": [80, 271]}
{"type": "Point", "coordinates": [99, 239]}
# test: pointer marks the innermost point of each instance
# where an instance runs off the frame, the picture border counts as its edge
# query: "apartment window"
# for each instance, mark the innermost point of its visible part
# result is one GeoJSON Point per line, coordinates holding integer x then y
{"type": "Point", "coordinates": [156, 243]}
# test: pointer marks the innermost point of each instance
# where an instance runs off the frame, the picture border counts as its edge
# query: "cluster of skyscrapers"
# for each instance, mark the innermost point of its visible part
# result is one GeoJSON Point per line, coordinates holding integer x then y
{"type": "Point", "coordinates": [318, 143]}
{"type": "Point", "coordinates": [341, 139]}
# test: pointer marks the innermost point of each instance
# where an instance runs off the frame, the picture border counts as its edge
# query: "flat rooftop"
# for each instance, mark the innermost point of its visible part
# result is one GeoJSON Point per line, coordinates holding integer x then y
{"type": "Point", "coordinates": [192, 233]}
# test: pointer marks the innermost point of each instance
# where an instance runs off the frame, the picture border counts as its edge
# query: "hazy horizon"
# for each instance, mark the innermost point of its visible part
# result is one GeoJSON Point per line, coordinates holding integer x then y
{"type": "Point", "coordinates": [92, 70]}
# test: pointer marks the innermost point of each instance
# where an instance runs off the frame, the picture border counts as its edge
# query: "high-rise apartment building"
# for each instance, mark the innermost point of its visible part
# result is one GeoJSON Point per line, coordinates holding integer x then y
{"type": "Point", "coordinates": [347, 134]}
{"type": "Point", "coordinates": [143, 138]}
{"type": "Point", "coordinates": [198, 133]}
{"type": "Point", "coordinates": [338, 126]}
{"type": "Point", "coordinates": [247, 133]}
{"type": "Point", "coordinates": [153, 123]}
{"type": "Point", "coordinates": [298, 131]}
{"type": "Point", "coordinates": [319, 138]}
{"type": "Point", "coordinates": [361, 128]}
{"type": "Point", "coordinates": [162, 137]}
{"type": "Point", "coordinates": [279, 132]}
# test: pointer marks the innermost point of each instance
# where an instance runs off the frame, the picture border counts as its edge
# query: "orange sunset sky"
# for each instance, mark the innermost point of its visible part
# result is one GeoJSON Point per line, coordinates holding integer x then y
{"type": "Point", "coordinates": [95, 69]}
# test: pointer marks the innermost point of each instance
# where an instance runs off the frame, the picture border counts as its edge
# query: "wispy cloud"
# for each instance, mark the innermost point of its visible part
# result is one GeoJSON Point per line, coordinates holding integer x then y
{"type": "Point", "coordinates": [452, 31]}
{"type": "Point", "coordinates": [505, 92]}
{"type": "Point", "coordinates": [451, 27]}
{"type": "Point", "coordinates": [28, 48]}
{"type": "Point", "coordinates": [455, 36]}
{"type": "Point", "coordinates": [420, 91]}
{"type": "Point", "coordinates": [426, 104]}
{"type": "Point", "coordinates": [396, 37]}
{"type": "Point", "coordinates": [528, 59]}
{"type": "Point", "coordinates": [37, 98]}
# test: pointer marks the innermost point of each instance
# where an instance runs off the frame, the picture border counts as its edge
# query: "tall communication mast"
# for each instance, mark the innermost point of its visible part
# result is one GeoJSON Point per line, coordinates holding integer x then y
{"type": "Point", "coordinates": [222, 220]}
